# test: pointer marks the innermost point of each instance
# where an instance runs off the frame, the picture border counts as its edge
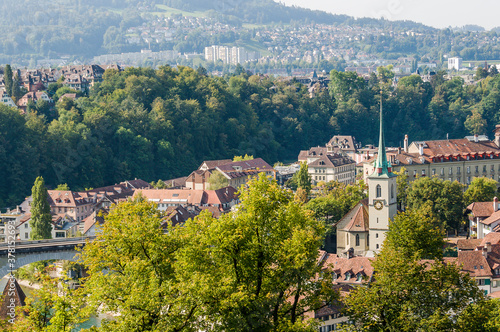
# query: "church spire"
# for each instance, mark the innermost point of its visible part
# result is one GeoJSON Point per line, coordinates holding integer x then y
{"type": "Point", "coordinates": [382, 166]}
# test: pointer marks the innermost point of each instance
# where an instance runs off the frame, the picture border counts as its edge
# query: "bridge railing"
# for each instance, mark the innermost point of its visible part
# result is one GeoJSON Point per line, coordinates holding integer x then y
{"type": "Point", "coordinates": [81, 239]}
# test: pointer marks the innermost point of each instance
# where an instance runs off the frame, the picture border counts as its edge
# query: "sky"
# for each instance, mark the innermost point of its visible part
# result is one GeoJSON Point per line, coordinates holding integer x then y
{"type": "Point", "coordinates": [436, 13]}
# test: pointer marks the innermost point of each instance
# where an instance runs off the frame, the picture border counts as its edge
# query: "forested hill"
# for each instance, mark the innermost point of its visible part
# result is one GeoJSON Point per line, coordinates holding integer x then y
{"type": "Point", "coordinates": [269, 11]}
{"type": "Point", "coordinates": [160, 124]}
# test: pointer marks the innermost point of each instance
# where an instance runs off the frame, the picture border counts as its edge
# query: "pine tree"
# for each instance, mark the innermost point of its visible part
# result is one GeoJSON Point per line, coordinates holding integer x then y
{"type": "Point", "coordinates": [16, 90]}
{"type": "Point", "coordinates": [40, 211]}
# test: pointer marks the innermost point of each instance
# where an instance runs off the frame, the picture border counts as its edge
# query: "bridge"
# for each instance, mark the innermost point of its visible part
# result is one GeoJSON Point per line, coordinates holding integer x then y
{"type": "Point", "coordinates": [27, 252]}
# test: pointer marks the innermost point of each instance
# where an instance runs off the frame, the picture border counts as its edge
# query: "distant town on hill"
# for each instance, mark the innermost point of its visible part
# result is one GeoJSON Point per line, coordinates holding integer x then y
{"type": "Point", "coordinates": [174, 32]}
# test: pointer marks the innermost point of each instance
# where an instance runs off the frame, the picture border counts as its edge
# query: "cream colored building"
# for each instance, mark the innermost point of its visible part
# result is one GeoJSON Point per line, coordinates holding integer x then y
{"type": "Point", "coordinates": [455, 160]}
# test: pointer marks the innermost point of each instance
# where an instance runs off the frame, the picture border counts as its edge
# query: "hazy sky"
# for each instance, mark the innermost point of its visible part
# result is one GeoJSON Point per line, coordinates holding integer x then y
{"type": "Point", "coordinates": [437, 13]}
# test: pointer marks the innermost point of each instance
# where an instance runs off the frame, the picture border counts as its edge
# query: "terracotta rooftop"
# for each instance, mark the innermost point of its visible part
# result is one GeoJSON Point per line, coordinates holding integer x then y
{"type": "Point", "coordinates": [360, 221]}
{"type": "Point", "coordinates": [468, 244]}
{"type": "Point", "coordinates": [481, 209]}
{"type": "Point", "coordinates": [491, 219]}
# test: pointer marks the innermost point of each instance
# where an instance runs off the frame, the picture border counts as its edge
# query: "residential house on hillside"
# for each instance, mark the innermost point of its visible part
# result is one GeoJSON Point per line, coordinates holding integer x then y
{"type": "Point", "coordinates": [63, 226]}
{"type": "Point", "coordinates": [484, 218]}
{"type": "Point", "coordinates": [33, 97]}
{"type": "Point", "coordinates": [6, 99]}
{"type": "Point", "coordinates": [454, 159]}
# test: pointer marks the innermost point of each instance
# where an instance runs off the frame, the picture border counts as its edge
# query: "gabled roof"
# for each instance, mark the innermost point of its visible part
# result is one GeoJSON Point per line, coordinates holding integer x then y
{"type": "Point", "coordinates": [481, 209]}
{"type": "Point", "coordinates": [360, 221]}
{"type": "Point", "coordinates": [211, 164]}
{"type": "Point", "coordinates": [474, 263]}
{"type": "Point", "coordinates": [468, 244]}
{"type": "Point", "coordinates": [257, 163]}
{"type": "Point", "coordinates": [491, 219]}
{"type": "Point", "coordinates": [313, 153]}
{"type": "Point", "coordinates": [355, 265]}
{"type": "Point", "coordinates": [331, 160]}
{"type": "Point", "coordinates": [344, 143]}
{"type": "Point", "coordinates": [453, 146]}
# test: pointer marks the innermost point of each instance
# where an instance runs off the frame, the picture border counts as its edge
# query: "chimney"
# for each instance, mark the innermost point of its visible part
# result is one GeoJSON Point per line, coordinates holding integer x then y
{"type": "Point", "coordinates": [488, 246]}
{"type": "Point", "coordinates": [485, 252]}
{"type": "Point", "coordinates": [399, 150]}
{"type": "Point", "coordinates": [406, 144]}
{"type": "Point", "coordinates": [421, 149]}
{"type": "Point", "coordinates": [495, 204]}
{"type": "Point", "coordinates": [476, 138]}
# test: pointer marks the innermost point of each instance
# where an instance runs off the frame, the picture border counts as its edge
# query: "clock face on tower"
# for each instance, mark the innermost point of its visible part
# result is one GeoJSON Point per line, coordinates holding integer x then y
{"type": "Point", "coordinates": [378, 205]}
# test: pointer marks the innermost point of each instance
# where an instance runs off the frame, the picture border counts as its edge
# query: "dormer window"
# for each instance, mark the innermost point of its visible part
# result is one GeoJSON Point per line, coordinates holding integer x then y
{"type": "Point", "coordinates": [359, 277]}
{"type": "Point", "coordinates": [347, 276]}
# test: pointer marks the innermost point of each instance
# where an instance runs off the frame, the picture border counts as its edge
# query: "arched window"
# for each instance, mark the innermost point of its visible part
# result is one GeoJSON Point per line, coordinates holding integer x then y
{"type": "Point", "coordinates": [379, 191]}
{"type": "Point", "coordinates": [357, 240]}
{"type": "Point", "coordinates": [392, 191]}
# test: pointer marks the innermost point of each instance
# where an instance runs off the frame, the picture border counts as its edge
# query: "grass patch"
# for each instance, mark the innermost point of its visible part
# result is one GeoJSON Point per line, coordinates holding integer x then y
{"type": "Point", "coordinates": [168, 11]}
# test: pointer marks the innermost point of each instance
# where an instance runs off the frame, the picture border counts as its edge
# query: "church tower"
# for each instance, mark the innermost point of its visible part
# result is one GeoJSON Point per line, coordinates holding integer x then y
{"type": "Point", "coordinates": [382, 194]}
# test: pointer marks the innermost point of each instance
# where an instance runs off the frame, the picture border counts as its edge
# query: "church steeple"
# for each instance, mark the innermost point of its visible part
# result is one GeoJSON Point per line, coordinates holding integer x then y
{"type": "Point", "coordinates": [382, 166]}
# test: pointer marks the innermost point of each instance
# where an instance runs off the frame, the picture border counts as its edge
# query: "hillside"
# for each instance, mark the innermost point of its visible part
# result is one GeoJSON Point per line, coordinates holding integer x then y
{"type": "Point", "coordinates": [83, 29]}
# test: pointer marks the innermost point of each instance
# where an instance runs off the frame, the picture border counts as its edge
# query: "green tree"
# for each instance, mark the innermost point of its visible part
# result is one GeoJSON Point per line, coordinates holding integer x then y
{"type": "Point", "coordinates": [62, 187]}
{"type": "Point", "coordinates": [304, 179]}
{"type": "Point", "coordinates": [402, 185]}
{"type": "Point", "coordinates": [336, 201]}
{"type": "Point", "coordinates": [242, 158]}
{"type": "Point", "coordinates": [481, 73]}
{"type": "Point", "coordinates": [16, 89]}
{"type": "Point", "coordinates": [444, 200]}
{"type": "Point", "coordinates": [8, 79]}
{"type": "Point", "coordinates": [217, 180]}
{"type": "Point", "coordinates": [408, 293]}
{"type": "Point", "coordinates": [255, 269]}
{"type": "Point", "coordinates": [131, 267]}
{"type": "Point", "coordinates": [41, 219]}
{"type": "Point", "coordinates": [480, 190]}
{"type": "Point", "coordinates": [52, 308]}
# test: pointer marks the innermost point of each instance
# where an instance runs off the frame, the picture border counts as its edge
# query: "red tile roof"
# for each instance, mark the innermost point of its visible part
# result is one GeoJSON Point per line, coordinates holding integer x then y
{"type": "Point", "coordinates": [491, 219]}
{"type": "Point", "coordinates": [360, 221]}
{"type": "Point", "coordinates": [481, 209]}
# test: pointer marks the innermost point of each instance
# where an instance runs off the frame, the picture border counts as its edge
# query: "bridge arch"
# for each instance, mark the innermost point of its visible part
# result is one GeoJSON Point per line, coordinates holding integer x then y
{"type": "Point", "coordinates": [25, 259]}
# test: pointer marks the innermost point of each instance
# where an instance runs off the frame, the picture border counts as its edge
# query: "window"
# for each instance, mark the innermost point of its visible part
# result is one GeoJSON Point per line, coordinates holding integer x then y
{"type": "Point", "coordinates": [423, 172]}
{"type": "Point", "coordinates": [442, 171]}
{"type": "Point", "coordinates": [468, 169]}
{"type": "Point", "coordinates": [60, 234]}
{"type": "Point", "coordinates": [359, 277]}
{"type": "Point", "coordinates": [347, 276]}
{"type": "Point", "coordinates": [458, 170]}
{"type": "Point", "coordinates": [492, 168]}
{"type": "Point", "coordinates": [484, 168]}
{"type": "Point", "coordinates": [25, 225]}
{"type": "Point", "coordinates": [477, 169]}
{"type": "Point", "coordinates": [415, 173]}
{"type": "Point", "coordinates": [368, 239]}
{"type": "Point", "coordinates": [357, 240]}
{"type": "Point", "coordinates": [376, 235]}
{"type": "Point", "coordinates": [26, 235]}
{"type": "Point", "coordinates": [378, 246]}
{"type": "Point", "coordinates": [379, 191]}
{"type": "Point", "coordinates": [392, 191]}
{"type": "Point", "coordinates": [433, 171]}
{"type": "Point", "coordinates": [450, 171]}
{"type": "Point", "coordinates": [468, 180]}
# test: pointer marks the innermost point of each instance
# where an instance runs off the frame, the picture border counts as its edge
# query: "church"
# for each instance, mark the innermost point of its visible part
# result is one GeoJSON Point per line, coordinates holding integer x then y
{"type": "Point", "coordinates": [362, 230]}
